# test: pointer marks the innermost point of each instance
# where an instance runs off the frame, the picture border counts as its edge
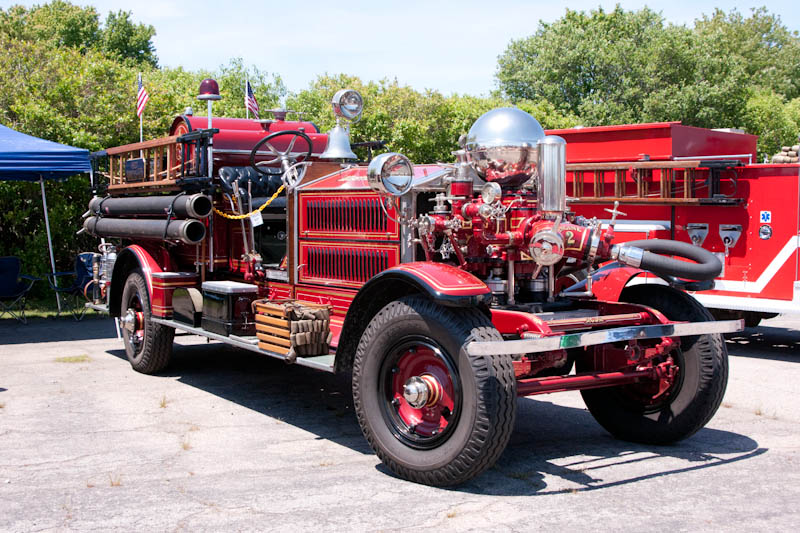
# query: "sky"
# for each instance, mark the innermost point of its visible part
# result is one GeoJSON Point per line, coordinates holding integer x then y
{"type": "Point", "coordinates": [449, 46]}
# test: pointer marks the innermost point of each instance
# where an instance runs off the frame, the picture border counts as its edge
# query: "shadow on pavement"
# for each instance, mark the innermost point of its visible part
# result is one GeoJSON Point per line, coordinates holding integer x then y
{"type": "Point", "coordinates": [765, 342]}
{"type": "Point", "coordinates": [549, 439]}
{"type": "Point", "coordinates": [56, 330]}
{"type": "Point", "coordinates": [566, 443]}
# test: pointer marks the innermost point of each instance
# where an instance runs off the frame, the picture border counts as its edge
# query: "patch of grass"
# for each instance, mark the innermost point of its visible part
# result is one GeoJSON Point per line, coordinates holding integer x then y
{"type": "Point", "coordinates": [115, 481]}
{"type": "Point", "coordinates": [2, 405]}
{"type": "Point", "coordinates": [727, 405]}
{"type": "Point", "coordinates": [73, 359]}
{"type": "Point", "coordinates": [326, 463]}
{"type": "Point", "coordinates": [194, 427]}
{"type": "Point", "coordinates": [186, 445]}
{"type": "Point", "coordinates": [519, 475]}
{"type": "Point", "coordinates": [163, 403]}
{"type": "Point", "coordinates": [47, 308]}
{"type": "Point", "coordinates": [89, 484]}
{"type": "Point", "coordinates": [758, 411]}
{"type": "Point", "coordinates": [451, 513]}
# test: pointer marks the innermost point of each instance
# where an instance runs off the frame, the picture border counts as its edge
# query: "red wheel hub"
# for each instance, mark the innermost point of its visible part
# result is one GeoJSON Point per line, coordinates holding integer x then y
{"type": "Point", "coordinates": [422, 391]}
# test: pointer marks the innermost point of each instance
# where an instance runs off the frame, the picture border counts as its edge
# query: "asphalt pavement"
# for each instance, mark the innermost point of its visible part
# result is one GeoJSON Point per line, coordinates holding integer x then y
{"type": "Point", "coordinates": [226, 440]}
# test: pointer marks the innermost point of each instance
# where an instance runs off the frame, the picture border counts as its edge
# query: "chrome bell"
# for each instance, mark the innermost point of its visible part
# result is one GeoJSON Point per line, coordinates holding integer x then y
{"type": "Point", "coordinates": [338, 145]}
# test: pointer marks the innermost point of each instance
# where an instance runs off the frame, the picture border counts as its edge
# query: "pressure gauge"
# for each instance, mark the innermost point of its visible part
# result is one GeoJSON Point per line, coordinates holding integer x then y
{"type": "Point", "coordinates": [765, 232]}
{"type": "Point", "coordinates": [491, 192]}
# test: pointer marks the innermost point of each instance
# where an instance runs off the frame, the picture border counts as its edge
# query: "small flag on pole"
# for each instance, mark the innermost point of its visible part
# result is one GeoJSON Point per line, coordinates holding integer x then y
{"type": "Point", "coordinates": [250, 102]}
{"type": "Point", "coordinates": [141, 98]}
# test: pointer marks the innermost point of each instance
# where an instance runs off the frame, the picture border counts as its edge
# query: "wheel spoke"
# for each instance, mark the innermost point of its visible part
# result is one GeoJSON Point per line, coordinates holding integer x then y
{"type": "Point", "coordinates": [273, 150]}
{"type": "Point", "coordinates": [291, 145]}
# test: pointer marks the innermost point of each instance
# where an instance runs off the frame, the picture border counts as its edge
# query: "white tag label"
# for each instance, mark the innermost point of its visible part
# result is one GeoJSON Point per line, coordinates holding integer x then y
{"type": "Point", "coordinates": [256, 219]}
{"type": "Point", "coordinates": [766, 217]}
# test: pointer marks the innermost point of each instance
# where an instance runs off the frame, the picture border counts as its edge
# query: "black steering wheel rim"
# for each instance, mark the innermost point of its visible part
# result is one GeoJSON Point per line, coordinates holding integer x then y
{"type": "Point", "coordinates": [280, 156]}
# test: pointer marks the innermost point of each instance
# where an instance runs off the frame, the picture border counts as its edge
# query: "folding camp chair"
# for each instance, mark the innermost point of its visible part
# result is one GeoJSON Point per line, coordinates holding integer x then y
{"type": "Point", "coordinates": [14, 287]}
{"type": "Point", "coordinates": [75, 296]}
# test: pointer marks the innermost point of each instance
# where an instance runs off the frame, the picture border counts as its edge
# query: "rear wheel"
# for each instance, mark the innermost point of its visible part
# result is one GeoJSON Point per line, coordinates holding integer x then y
{"type": "Point", "coordinates": [147, 345]}
{"type": "Point", "coordinates": [629, 412]}
{"type": "Point", "coordinates": [433, 413]}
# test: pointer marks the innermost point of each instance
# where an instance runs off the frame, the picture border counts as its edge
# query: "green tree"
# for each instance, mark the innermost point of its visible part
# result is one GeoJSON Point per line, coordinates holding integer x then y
{"type": "Point", "coordinates": [423, 125]}
{"type": "Point", "coordinates": [770, 52]}
{"type": "Point", "coordinates": [767, 113]}
{"type": "Point", "coordinates": [630, 66]}
{"type": "Point", "coordinates": [128, 40]}
{"type": "Point", "coordinates": [59, 23]}
{"type": "Point", "coordinates": [62, 24]}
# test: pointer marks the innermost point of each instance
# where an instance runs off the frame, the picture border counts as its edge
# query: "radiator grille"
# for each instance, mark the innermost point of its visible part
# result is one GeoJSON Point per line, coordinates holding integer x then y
{"type": "Point", "coordinates": [348, 215]}
{"type": "Point", "coordinates": [359, 264]}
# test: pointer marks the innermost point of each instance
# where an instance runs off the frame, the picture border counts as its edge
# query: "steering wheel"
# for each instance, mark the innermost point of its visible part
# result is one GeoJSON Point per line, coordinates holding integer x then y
{"type": "Point", "coordinates": [284, 158]}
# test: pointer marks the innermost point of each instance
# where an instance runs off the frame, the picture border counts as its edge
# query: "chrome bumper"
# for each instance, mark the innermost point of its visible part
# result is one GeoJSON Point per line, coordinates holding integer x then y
{"type": "Point", "coordinates": [603, 336]}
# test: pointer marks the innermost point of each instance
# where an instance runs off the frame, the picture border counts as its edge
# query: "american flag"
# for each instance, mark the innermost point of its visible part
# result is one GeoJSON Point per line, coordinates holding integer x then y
{"type": "Point", "coordinates": [141, 98]}
{"type": "Point", "coordinates": [250, 100]}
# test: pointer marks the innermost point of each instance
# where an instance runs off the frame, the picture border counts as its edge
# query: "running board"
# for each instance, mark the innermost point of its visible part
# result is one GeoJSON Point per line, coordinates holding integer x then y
{"type": "Point", "coordinates": [603, 336]}
{"type": "Point", "coordinates": [319, 362]}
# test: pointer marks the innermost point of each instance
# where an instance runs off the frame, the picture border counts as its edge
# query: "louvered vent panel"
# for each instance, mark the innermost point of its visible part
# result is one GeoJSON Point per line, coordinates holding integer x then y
{"type": "Point", "coordinates": [346, 215]}
{"type": "Point", "coordinates": [356, 265]}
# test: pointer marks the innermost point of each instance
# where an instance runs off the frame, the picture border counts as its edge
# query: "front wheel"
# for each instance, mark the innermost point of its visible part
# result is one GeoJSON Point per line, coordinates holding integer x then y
{"type": "Point", "coordinates": [147, 345]}
{"type": "Point", "coordinates": [433, 413]}
{"type": "Point", "coordinates": [628, 413]}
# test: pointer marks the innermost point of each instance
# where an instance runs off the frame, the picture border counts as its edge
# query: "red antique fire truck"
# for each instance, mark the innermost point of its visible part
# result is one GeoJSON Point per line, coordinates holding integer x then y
{"type": "Point", "coordinates": [447, 290]}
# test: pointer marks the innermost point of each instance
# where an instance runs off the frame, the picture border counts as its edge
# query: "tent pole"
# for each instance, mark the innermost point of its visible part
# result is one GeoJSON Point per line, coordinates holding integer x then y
{"type": "Point", "coordinates": [49, 239]}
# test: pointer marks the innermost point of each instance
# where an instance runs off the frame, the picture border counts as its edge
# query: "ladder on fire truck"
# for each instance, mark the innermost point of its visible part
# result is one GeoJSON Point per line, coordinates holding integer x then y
{"type": "Point", "coordinates": [686, 182]}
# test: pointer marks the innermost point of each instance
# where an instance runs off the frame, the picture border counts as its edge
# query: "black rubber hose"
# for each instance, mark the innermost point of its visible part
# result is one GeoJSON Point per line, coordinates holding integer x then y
{"type": "Point", "coordinates": [705, 267]}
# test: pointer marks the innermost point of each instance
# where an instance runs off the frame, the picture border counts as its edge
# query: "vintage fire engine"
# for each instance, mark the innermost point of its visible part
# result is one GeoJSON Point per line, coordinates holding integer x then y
{"type": "Point", "coordinates": [448, 289]}
{"type": "Point", "coordinates": [703, 187]}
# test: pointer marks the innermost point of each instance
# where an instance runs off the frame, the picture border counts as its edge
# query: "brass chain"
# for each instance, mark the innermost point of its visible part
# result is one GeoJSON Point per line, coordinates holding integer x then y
{"type": "Point", "coordinates": [246, 215]}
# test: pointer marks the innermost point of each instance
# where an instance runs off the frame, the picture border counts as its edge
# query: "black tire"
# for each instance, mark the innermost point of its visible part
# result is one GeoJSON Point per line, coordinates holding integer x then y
{"type": "Point", "coordinates": [150, 348]}
{"type": "Point", "coordinates": [696, 394]}
{"type": "Point", "coordinates": [480, 424]}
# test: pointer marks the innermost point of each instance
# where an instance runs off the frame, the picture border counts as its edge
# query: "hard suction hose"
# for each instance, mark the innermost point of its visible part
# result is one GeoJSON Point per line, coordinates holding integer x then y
{"type": "Point", "coordinates": [645, 254]}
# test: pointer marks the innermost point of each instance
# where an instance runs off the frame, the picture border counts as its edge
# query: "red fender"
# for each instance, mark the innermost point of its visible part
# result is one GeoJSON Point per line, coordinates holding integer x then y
{"type": "Point", "coordinates": [608, 284]}
{"type": "Point", "coordinates": [128, 259]}
{"type": "Point", "coordinates": [444, 283]}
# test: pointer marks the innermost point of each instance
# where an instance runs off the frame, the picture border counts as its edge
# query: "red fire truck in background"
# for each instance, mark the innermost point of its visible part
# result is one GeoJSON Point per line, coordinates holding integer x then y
{"type": "Point", "coordinates": [704, 187]}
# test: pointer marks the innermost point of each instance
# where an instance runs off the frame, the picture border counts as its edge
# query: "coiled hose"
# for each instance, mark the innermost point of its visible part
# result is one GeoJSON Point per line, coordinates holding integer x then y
{"type": "Point", "coordinates": [706, 266]}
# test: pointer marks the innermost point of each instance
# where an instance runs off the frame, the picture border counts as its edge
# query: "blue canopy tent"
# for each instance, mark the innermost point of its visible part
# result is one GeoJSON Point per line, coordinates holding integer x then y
{"type": "Point", "coordinates": [27, 158]}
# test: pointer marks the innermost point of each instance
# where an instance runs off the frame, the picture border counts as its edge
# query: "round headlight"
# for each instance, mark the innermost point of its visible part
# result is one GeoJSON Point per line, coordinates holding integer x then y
{"type": "Point", "coordinates": [347, 104]}
{"type": "Point", "coordinates": [390, 173]}
{"type": "Point", "coordinates": [491, 192]}
{"type": "Point", "coordinates": [765, 232]}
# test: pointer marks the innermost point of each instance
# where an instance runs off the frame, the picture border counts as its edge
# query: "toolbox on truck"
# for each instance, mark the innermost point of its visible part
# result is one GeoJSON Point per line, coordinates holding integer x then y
{"type": "Point", "coordinates": [227, 307]}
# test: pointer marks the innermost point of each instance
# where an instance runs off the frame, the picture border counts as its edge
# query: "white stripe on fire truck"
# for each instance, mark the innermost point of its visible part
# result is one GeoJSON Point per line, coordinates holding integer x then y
{"type": "Point", "coordinates": [757, 286]}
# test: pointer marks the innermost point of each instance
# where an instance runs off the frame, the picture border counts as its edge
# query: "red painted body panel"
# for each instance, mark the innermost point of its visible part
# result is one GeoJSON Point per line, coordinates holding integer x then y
{"type": "Point", "coordinates": [659, 141]}
{"type": "Point", "coordinates": [355, 178]}
{"type": "Point", "coordinates": [164, 284]}
{"type": "Point", "coordinates": [755, 268]}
